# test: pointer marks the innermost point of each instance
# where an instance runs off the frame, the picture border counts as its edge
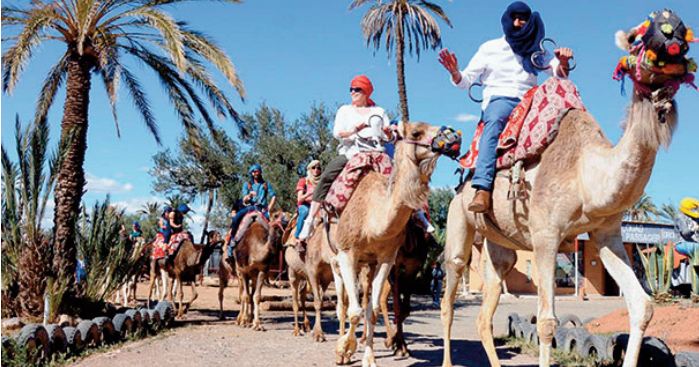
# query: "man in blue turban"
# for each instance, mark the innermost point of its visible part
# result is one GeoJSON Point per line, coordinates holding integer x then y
{"type": "Point", "coordinates": [505, 69]}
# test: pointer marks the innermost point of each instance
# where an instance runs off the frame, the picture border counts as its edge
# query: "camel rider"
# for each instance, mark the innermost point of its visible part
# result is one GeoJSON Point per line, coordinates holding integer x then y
{"type": "Point", "coordinates": [164, 224]}
{"type": "Point", "coordinates": [176, 221]}
{"type": "Point", "coordinates": [258, 195]}
{"type": "Point", "coordinates": [351, 123]}
{"type": "Point", "coordinates": [304, 196]}
{"type": "Point", "coordinates": [687, 224]}
{"type": "Point", "coordinates": [136, 231]}
{"type": "Point", "coordinates": [505, 69]}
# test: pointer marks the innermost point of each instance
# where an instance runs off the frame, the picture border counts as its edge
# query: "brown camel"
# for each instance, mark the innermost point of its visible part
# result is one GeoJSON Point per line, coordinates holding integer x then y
{"type": "Point", "coordinates": [253, 256]}
{"type": "Point", "coordinates": [410, 260]}
{"type": "Point", "coordinates": [582, 183]}
{"type": "Point", "coordinates": [372, 226]}
{"type": "Point", "coordinates": [187, 264]}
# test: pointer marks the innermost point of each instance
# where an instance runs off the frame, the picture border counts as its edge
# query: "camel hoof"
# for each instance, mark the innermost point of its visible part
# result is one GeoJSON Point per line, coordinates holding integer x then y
{"type": "Point", "coordinates": [368, 361]}
{"type": "Point", "coordinates": [319, 336]}
{"type": "Point", "coordinates": [362, 340]}
{"type": "Point", "coordinates": [306, 326]}
{"type": "Point", "coordinates": [258, 327]}
{"type": "Point", "coordinates": [297, 332]}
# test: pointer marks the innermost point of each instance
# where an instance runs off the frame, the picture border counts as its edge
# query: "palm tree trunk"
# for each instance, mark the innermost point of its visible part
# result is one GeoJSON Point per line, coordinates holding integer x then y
{"type": "Point", "coordinates": [209, 205]}
{"type": "Point", "coordinates": [400, 69]}
{"type": "Point", "coordinates": [34, 262]}
{"type": "Point", "coordinates": [71, 176]}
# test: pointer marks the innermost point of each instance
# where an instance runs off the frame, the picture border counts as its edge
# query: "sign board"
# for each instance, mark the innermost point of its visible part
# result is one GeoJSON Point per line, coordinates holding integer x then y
{"type": "Point", "coordinates": [645, 233]}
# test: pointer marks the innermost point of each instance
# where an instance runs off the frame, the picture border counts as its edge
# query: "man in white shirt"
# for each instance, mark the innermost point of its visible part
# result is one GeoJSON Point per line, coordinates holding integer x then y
{"type": "Point", "coordinates": [505, 69]}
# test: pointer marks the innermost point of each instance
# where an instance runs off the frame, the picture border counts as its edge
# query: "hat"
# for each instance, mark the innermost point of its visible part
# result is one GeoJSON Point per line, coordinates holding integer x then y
{"type": "Point", "coordinates": [690, 207]}
{"type": "Point", "coordinates": [254, 167]}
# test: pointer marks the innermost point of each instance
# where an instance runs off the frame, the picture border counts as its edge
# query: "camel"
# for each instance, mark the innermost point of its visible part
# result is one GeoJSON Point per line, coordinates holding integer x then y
{"type": "Point", "coordinates": [372, 226]}
{"type": "Point", "coordinates": [252, 257]}
{"type": "Point", "coordinates": [187, 264]}
{"type": "Point", "coordinates": [581, 183]}
{"type": "Point", "coordinates": [410, 260]}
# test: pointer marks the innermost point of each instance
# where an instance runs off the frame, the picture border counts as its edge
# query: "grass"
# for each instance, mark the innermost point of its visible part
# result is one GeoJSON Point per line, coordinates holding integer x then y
{"type": "Point", "coordinates": [562, 358]}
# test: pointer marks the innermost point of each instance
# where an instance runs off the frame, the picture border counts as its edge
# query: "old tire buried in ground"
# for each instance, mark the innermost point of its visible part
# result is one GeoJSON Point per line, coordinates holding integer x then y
{"type": "Point", "coordinates": [687, 359]}
{"type": "Point", "coordinates": [166, 311]}
{"type": "Point", "coordinates": [569, 321]}
{"type": "Point", "coordinates": [574, 340]}
{"type": "Point", "coordinates": [106, 327]}
{"type": "Point", "coordinates": [654, 352]}
{"type": "Point", "coordinates": [512, 319]}
{"type": "Point", "coordinates": [531, 335]}
{"type": "Point", "coordinates": [74, 339]}
{"type": "Point", "coordinates": [123, 325]}
{"type": "Point", "coordinates": [34, 337]}
{"type": "Point", "coordinates": [155, 321]}
{"type": "Point", "coordinates": [525, 329]}
{"type": "Point", "coordinates": [145, 319]}
{"type": "Point", "coordinates": [89, 333]}
{"type": "Point", "coordinates": [595, 346]}
{"type": "Point", "coordinates": [559, 337]}
{"type": "Point", "coordinates": [59, 342]}
{"type": "Point", "coordinates": [135, 316]}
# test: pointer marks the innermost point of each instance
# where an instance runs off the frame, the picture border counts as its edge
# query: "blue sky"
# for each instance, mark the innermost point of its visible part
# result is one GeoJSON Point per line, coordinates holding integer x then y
{"type": "Point", "coordinates": [292, 54]}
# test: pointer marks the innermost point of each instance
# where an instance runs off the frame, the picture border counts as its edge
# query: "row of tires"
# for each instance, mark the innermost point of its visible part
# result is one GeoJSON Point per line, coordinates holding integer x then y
{"type": "Point", "coordinates": [572, 337]}
{"type": "Point", "coordinates": [44, 341]}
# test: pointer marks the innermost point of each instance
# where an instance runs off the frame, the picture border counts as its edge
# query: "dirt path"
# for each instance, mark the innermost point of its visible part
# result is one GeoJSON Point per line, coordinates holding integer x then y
{"type": "Point", "coordinates": [203, 340]}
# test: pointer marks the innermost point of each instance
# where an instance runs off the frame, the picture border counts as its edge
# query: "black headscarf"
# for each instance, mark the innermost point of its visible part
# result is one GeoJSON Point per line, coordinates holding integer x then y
{"type": "Point", "coordinates": [524, 41]}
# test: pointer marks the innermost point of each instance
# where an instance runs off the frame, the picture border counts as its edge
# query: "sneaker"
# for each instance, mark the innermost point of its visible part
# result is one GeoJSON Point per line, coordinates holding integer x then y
{"type": "Point", "coordinates": [306, 230]}
{"type": "Point", "coordinates": [430, 228]}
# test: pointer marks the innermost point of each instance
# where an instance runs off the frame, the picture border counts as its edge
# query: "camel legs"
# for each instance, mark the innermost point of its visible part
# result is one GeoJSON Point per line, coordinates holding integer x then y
{"type": "Point", "coordinates": [390, 331]}
{"type": "Point", "coordinates": [256, 323]}
{"type": "Point", "coordinates": [180, 311]}
{"type": "Point", "coordinates": [222, 283]}
{"type": "Point", "coordinates": [317, 333]}
{"type": "Point", "coordinates": [243, 296]}
{"type": "Point", "coordinates": [638, 303]}
{"type": "Point", "coordinates": [295, 283]}
{"type": "Point", "coordinates": [153, 280]}
{"type": "Point", "coordinates": [347, 344]}
{"type": "Point", "coordinates": [497, 263]}
{"type": "Point", "coordinates": [378, 280]}
{"type": "Point", "coordinates": [546, 243]}
{"type": "Point", "coordinates": [457, 251]}
{"type": "Point", "coordinates": [306, 321]}
{"type": "Point", "coordinates": [340, 308]}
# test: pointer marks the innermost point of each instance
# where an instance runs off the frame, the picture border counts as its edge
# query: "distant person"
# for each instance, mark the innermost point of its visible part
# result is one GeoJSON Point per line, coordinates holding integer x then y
{"type": "Point", "coordinates": [304, 196]}
{"type": "Point", "coordinates": [436, 283]}
{"type": "Point", "coordinates": [136, 231]}
{"type": "Point", "coordinates": [687, 224]}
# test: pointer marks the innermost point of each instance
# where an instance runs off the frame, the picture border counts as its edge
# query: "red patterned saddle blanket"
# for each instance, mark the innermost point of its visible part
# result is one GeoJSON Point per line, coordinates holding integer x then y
{"type": "Point", "coordinates": [357, 167]}
{"type": "Point", "coordinates": [162, 249]}
{"type": "Point", "coordinates": [249, 219]}
{"type": "Point", "coordinates": [532, 125]}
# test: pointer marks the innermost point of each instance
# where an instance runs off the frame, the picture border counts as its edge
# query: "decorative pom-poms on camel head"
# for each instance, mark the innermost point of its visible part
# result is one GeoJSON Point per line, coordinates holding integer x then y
{"type": "Point", "coordinates": [657, 53]}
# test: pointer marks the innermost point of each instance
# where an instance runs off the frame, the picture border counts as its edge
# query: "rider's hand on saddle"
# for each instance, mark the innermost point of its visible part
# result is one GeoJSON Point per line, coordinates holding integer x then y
{"type": "Point", "coordinates": [449, 61]}
{"type": "Point", "coordinates": [360, 127]}
{"type": "Point", "coordinates": [252, 194]}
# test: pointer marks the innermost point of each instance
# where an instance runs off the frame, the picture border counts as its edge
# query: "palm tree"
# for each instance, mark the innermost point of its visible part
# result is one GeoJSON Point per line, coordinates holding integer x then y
{"type": "Point", "coordinates": [668, 212]}
{"type": "Point", "coordinates": [98, 36]}
{"type": "Point", "coordinates": [402, 22]}
{"type": "Point", "coordinates": [150, 209]}
{"type": "Point", "coordinates": [643, 210]}
{"type": "Point", "coordinates": [25, 245]}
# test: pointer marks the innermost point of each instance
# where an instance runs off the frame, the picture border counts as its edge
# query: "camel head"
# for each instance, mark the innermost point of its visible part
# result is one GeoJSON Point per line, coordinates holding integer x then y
{"type": "Point", "coordinates": [421, 144]}
{"type": "Point", "coordinates": [214, 238]}
{"type": "Point", "coordinates": [656, 62]}
{"type": "Point", "coordinates": [277, 223]}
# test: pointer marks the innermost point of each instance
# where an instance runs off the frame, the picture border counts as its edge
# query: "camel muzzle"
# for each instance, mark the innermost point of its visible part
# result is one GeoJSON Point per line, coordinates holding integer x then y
{"type": "Point", "coordinates": [447, 142]}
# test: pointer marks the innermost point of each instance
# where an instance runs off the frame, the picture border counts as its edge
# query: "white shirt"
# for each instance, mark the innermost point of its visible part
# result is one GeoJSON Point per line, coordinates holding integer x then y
{"type": "Point", "coordinates": [501, 71]}
{"type": "Point", "coordinates": [368, 139]}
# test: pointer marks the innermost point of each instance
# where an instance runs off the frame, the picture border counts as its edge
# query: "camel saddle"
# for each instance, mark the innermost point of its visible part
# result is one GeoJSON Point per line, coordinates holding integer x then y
{"type": "Point", "coordinates": [532, 125]}
{"type": "Point", "coordinates": [247, 221]}
{"type": "Point", "coordinates": [355, 169]}
{"type": "Point", "coordinates": [159, 247]}
{"type": "Point", "coordinates": [176, 240]}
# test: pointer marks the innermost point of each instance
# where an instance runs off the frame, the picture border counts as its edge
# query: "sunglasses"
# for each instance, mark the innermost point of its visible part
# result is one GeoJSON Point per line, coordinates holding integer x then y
{"type": "Point", "coordinates": [316, 167]}
{"type": "Point", "coordinates": [358, 90]}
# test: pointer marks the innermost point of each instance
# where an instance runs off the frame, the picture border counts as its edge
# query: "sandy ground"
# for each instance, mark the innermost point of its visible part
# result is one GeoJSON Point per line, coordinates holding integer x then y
{"type": "Point", "coordinates": [203, 340]}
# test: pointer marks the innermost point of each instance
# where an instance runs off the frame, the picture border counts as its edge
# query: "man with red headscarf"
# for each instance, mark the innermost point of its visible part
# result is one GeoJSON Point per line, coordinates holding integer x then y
{"type": "Point", "coordinates": [359, 130]}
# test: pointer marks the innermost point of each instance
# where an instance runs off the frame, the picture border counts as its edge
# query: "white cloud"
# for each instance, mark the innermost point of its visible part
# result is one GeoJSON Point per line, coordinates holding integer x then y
{"type": "Point", "coordinates": [105, 185]}
{"type": "Point", "coordinates": [466, 117]}
{"type": "Point", "coordinates": [132, 205]}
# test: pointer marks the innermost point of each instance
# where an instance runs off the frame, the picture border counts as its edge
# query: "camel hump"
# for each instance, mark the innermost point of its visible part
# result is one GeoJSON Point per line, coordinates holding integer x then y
{"type": "Point", "coordinates": [250, 218]}
{"type": "Point", "coordinates": [346, 183]}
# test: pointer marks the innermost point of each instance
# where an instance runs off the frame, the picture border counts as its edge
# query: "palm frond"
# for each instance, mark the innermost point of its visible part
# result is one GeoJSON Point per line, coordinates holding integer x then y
{"type": "Point", "coordinates": [169, 29]}
{"type": "Point", "coordinates": [50, 87]}
{"type": "Point", "coordinates": [141, 102]}
{"type": "Point", "coordinates": [16, 57]}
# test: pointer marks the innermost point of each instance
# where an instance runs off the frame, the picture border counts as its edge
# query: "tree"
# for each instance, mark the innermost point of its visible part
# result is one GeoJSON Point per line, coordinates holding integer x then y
{"type": "Point", "coordinates": [283, 148]}
{"type": "Point", "coordinates": [98, 36]}
{"type": "Point", "coordinates": [26, 249]}
{"type": "Point", "coordinates": [643, 210]}
{"type": "Point", "coordinates": [199, 168]}
{"type": "Point", "coordinates": [439, 201]}
{"type": "Point", "coordinates": [668, 212]}
{"type": "Point", "coordinates": [401, 23]}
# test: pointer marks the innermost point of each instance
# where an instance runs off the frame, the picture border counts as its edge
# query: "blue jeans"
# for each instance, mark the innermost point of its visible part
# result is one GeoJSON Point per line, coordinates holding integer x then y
{"type": "Point", "coordinates": [303, 213]}
{"type": "Point", "coordinates": [495, 118]}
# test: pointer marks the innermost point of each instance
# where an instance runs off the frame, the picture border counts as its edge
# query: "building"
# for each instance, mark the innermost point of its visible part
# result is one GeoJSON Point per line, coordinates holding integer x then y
{"type": "Point", "coordinates": [581, 272]}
